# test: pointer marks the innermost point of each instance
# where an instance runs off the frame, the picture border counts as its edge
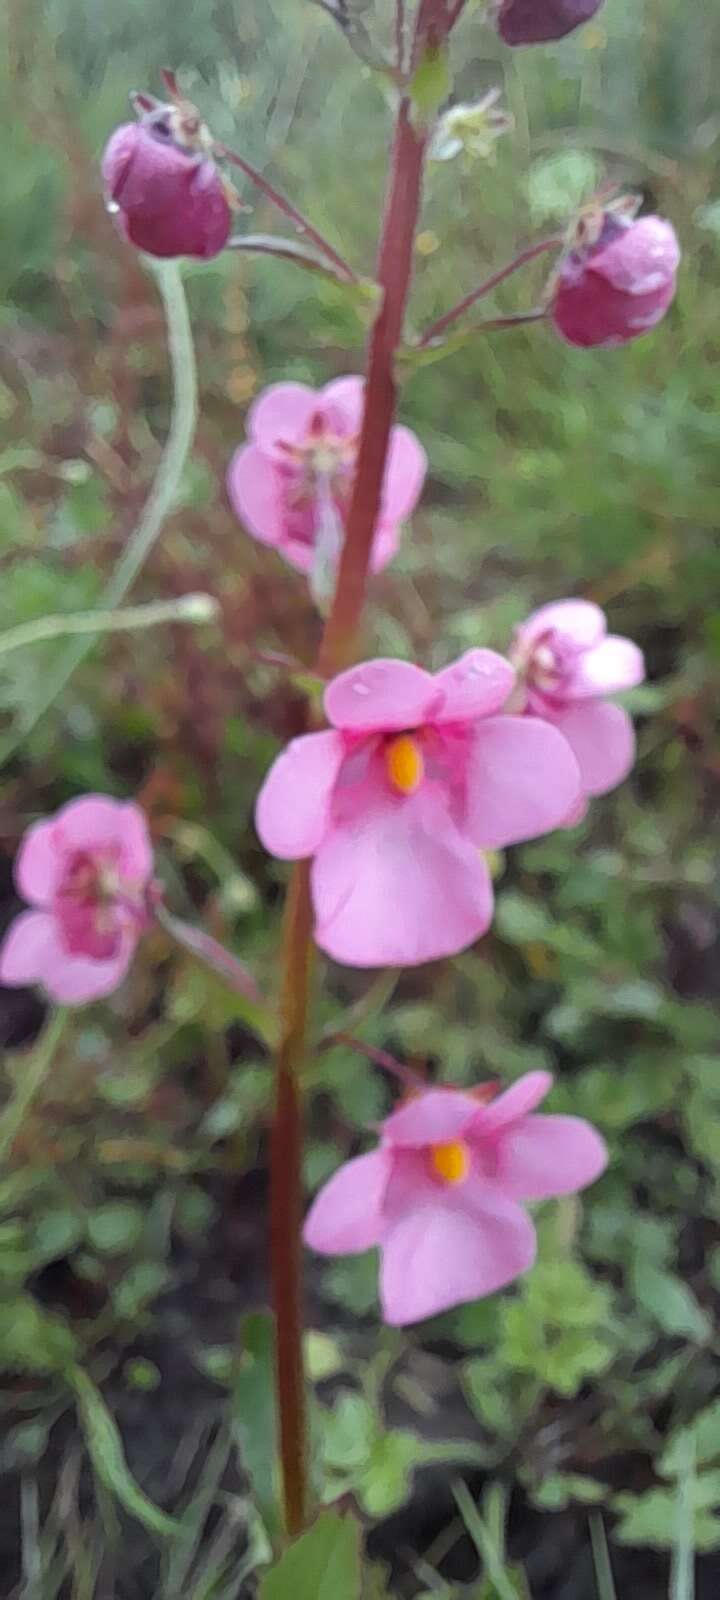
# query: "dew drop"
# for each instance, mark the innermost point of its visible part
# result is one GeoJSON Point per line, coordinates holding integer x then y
{"type": "Point", "coordinates": [112, 208]}
{"type": "Point", "coordinates": [360, 688]}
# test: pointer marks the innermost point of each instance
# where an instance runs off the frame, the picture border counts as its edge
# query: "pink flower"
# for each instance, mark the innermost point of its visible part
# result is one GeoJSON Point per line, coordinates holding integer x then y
{"type": "Point", "coordinates": [440, 1197]}
{"type": "Point", "coordinates": [291, 484]}
{"type": "Point", "coordinates": [169, 196]}
{"type": "Point", "coordinates": [618, 283]}
{"type": "Point", "coordinates": [567, 662]}
{"type": "Point", "coordinates": [395, 802]}
{"type": "Point", "coordinates": [85, 872]}
{"type": "Point", "coordinates": [540, 21]}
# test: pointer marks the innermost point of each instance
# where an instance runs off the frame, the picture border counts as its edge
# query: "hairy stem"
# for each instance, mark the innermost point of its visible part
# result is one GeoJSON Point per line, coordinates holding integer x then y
{"type": "Point", "coordinates": [338, 644]}
{"type": "Point", "coordinates": [160, 500]}
{"type": "Point", "coordinates": [436, 329]}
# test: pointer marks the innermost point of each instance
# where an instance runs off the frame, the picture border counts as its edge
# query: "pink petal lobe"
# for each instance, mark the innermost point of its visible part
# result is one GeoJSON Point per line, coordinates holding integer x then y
{"type": "Point", "coordinates": [611, 666]}
{"type": "Point", "coordinates": [39, 864]}
{"type": "Point", "coordinates": [282, 412]}
{"type": "Point", "coordinates": [136, 845]}
{"type": "Point", "coordinates": [602, 740]}
{"type": "Point", "coordinates": [404, 475]}
{"type": "Point", "coordinates": [476, 685]}
{"type": "Point", "coordinates": [24, 949]}
{"type": "Point", "coordinates": [33, 953]}
{"type": "Point", "coordinates": [514, 1103]}
{"type": "Point", "coordinates": [386, 544]}
{"type": "Point", "coordinates": [346, 1216]}
{"type": "Point", "coordinates": [581, 620]}
{"type": "Point", "coordinates": [94, 821]}
{"type": "Point", "coordinates": [440, 1256]}
{"type": "Point", "coordinates": [254, 490]}
{"type": "Point", "coordinates": [550, 1155]}
{"type": "Point", "coordinates": [379, 695]}
{"type": "Point", "coordinates": [432, 1117]}
{"type": "Point", "coordinates": [397, 885]}
{"type": "Point", "coordinates": [342, 403]}
{"type": "Point", "coordinates": [522, 780]}
{"type": "Point", "coordinates": [292, 813]}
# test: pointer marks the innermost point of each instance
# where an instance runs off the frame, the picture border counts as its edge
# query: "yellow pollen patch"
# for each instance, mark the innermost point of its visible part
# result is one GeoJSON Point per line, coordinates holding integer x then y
{"type": "Point", "coordinates": [451, 1162]}
{"type": "Point", "coordinates": [404, 763]}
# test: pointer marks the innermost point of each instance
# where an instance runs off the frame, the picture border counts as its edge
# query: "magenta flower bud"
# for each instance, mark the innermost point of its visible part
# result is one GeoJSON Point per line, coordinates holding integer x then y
{"type": "Point", "coordinates": [168, 193]}
{"type": "Point", "coordinates": [541, 21]}
{"type": "Point", "coordinates": [617, 286]}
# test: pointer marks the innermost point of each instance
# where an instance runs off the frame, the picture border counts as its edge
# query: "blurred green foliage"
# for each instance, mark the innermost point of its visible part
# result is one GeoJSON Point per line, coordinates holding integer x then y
{"type": "Point", "coordinates": [552, 471]}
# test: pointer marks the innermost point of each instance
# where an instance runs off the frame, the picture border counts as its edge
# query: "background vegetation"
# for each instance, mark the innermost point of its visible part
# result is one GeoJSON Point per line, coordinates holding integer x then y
{"type": "Point", "coordinates": [132, 1248]}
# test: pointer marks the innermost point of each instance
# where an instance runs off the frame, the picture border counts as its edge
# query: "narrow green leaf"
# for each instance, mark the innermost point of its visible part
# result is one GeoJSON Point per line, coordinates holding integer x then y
{"type": "Point", "coordinates": [108, 1456]}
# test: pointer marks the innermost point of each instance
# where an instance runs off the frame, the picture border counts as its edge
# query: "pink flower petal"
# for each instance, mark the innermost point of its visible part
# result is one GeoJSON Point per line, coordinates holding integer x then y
{"type": "Point", "coordinates": [404, 475]}
{"type": "Point", "coordinates": [398, 885]}
{"type": "Point", "coordinates": [94, 821]}
{"type": "Point", "coordinates": [380, 695]}
{"type": "Point", "coordinates": [581, 620]}
{"type": "Point", "coordinates": [440, 1256]}
{"type": "Point", "coordinates": [549, 1155]}
{"type": "Point", "coordinates": [613, 665]}
{"type": "Point", "coordinates": [254, 490]}
{"type": "Point", "coordinates": [32, 952]}
{"type": "Point", "coordinates": [514, 1103]}
{"type": "Point", "coordinates": [39, 863]}
{"type": "Point", "coordinates": [137, 859]}
{"type": "Point", "coordinates": [282, 412]}
{"type": "Point", "coordinates": [521, 781]}
{"type": "Point", "coordinates": [292, 813]}
{"type": "Point", "coordinates": [602, 740]}
{"type": "Point", "coordinates": [342, 403]}
{"type": "Point", "coordinates": [474, 686]}
{"type": "Point", "coordinates": [24, 949]}
{"type": "Point", "coordinates": [431, 1117]}
{"type": "Point", "coordinates": [385, 546]}
{"type": "Point", "coordinates": [346, 1216]}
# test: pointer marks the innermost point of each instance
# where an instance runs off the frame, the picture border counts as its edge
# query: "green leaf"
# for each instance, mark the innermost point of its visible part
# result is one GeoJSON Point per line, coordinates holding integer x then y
{"type": "Point", "coordinates": [108, 1457]}
{"type": "Point", "coordinates": [115, 1227]}
{"type": "Point", "coordinates": [324, 1564]}
{"type": "Point", "coordinates": [253, 1410]}
{"type": "Point", "coordinates": [669, 1301]}
{"type": "Point", "coordinates": [431, 84]}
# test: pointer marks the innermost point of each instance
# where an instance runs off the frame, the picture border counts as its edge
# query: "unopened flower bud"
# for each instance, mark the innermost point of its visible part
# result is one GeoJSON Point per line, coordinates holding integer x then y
{"type": "Point", "coordinates": [161, 181]}
{"type": "Point", "coordinates": [542, 21]}
{"type": "Point", "coordinates": [617, 281]}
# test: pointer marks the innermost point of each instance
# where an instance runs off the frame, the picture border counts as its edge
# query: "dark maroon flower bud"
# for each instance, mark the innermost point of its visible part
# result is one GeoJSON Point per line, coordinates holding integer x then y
{"type": "Point", "coordinates": [160, 180]}
{"type": "Point", "coordinates": [540, 21]}
{"type": "Point", "coordinates": [617, 281]}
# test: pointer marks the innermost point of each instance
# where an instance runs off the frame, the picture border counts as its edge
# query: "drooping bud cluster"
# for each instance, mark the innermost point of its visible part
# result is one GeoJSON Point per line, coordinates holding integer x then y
{"type": "Point", "coordinates": [164, 187]}
{"type": "Point", "coordinates": [542, 21]}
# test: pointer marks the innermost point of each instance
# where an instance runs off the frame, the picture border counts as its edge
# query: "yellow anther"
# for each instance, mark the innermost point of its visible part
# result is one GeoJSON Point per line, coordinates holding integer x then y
{"type": "Point", "coordinates": [451, 1162]}
{"type": "Point", "coordinates": [404, 763]}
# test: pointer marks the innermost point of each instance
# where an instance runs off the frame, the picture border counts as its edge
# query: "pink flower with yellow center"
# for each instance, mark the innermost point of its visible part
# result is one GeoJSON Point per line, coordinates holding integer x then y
{"type": "Point", "coordinates": [86, 873]}
{"type": "Point", "coordinates": [442, 1197]}
{"type": "Point", "coordinates": [290, 485]}
{"type": "Point", "coordinates": [567, 663]}
{"type": "Point", "coordinates": [417, 775]}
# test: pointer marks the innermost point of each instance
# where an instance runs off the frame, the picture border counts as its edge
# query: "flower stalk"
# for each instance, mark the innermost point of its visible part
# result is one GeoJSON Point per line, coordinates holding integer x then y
{"type": "Point", "coordinates": [337, 647]}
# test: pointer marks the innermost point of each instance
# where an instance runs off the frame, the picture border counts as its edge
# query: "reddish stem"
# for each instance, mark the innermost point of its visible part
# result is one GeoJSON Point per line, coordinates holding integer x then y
{"type": "Point", "coordinates": [394, 276]}
{"type": "Point", "coordinates": [380, 1058]}
{"type": "Point", "coordinates": [437, 328]}
{"type": "Point", "coordinates": [514, 319]}
{"type": "Point", "coordinates": [289, 210]}
{"type": "Point", "coordinates": [286, 1198]}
